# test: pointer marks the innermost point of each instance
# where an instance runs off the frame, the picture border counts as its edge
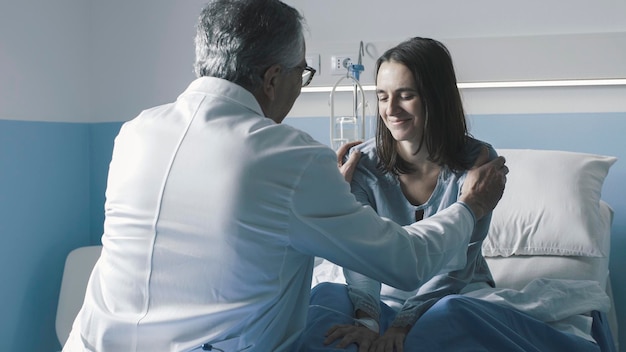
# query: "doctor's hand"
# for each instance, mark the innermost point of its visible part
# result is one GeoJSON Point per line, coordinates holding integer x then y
{"type": "Point", "coordinates": [392, 340]}
{"type": "Point", "coordinates": [349, 334]}
{"type": "Point", "coordinates": [347, 168]}
{"type": "Point", "coordinates": [484, 184]}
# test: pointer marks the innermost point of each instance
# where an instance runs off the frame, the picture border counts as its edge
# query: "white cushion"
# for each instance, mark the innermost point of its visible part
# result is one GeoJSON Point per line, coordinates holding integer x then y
{"type": "Point", "coordinates": [551, 205]}
{"type": "Point", "coordinates": [517, 271]}
{"type": "Point", "coordinates": [78, 266]}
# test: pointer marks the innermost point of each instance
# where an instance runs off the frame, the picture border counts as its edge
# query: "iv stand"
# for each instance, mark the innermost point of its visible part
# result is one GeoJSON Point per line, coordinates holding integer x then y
{"type": "Point", "coordinates": [351, 128]}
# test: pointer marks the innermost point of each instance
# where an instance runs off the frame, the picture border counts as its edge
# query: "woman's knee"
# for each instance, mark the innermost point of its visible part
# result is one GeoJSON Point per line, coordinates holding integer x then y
{"type": "Point", "coordinates": [328, 291]}
{"type": "Point", "coordinates": [448, 307]}
{"type": "Point", "coordinates": [454, 302]}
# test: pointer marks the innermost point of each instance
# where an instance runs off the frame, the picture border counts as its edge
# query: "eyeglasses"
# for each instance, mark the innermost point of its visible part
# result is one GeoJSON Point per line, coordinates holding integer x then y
{"type": "Point", "coordinates": [307, 75]}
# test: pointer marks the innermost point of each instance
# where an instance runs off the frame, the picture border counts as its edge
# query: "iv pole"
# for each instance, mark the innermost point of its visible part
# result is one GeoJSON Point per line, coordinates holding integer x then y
{"type": "Point", "coordinates": [352, 122]}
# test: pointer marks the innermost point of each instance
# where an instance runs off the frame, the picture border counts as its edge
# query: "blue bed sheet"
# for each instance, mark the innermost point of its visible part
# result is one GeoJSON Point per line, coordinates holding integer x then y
{"type": "Point", "coordinates": [456, 323]}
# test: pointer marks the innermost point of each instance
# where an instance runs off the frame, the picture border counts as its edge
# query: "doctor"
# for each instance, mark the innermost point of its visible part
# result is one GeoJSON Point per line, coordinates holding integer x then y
{"type": "Point", "coordinates": [215, 210]}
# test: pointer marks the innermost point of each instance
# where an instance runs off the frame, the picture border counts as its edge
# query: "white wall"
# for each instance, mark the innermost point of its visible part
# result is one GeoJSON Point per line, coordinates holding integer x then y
{"type": "Point", "coordinates": [143, 52]}
{"type": "Point", "coordinates": [105, 60]}
{"type": "Point", "coordinates": [44, 60]}
{"type": "Point", "coordinates": [372, 20]}
{"type": "Point", "coordinates": [489, 41]}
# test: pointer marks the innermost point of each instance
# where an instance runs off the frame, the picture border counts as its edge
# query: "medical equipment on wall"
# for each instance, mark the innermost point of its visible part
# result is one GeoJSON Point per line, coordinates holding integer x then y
{"type": "Point", "coordinates": [350, 128]}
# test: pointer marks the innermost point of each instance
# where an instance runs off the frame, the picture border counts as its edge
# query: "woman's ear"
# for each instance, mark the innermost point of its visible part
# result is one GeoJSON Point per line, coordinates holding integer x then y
{"type": "Point", "coordinates": [270, 79]}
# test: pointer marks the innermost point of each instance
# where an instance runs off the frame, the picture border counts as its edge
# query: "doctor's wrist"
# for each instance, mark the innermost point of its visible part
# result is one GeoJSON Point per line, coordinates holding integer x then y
{"type": "Point", "coordinates": [369, 323]}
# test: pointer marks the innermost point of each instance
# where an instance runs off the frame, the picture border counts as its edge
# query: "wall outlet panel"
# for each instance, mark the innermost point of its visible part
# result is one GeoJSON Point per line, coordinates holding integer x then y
{"type": "Point", "coordinates": [339, 64]}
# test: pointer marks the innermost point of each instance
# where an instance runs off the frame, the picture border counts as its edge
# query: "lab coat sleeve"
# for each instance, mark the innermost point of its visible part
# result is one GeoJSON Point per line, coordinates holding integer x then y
{"type": "Point", "coordinates": [327, 221]}
{"type": "Point", "coordinates": [363, 291]}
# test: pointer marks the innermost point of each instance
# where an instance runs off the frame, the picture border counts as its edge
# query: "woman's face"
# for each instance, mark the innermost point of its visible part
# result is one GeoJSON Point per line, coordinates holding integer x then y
{"type": "Point", "coordinates": [399, 105]}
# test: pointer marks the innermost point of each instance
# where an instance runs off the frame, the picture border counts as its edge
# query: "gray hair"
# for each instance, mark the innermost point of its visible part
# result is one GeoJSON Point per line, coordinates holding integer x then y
{"type": "Point", "coordinates": [238, 40]}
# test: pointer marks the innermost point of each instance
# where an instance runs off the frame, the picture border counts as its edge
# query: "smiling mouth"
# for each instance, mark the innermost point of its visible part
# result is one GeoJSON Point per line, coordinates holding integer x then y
{"type": "Point", "coordinates": [397, 122]}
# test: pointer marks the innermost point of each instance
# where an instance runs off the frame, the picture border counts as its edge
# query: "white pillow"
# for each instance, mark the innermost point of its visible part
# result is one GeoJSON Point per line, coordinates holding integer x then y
{"type": "Point", "coordinates": [550, 205]}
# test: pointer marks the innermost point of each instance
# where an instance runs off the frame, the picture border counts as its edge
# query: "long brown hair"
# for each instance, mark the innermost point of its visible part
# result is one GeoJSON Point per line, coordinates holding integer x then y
{"type": "Point", "coordinates": [445, 129]}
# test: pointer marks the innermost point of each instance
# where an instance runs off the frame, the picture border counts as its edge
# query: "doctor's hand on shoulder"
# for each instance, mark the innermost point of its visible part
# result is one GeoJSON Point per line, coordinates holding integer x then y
{"type": "Point", "coordinates": [347, 168]}
{"type": "Point", "coordinates": [484, 184]}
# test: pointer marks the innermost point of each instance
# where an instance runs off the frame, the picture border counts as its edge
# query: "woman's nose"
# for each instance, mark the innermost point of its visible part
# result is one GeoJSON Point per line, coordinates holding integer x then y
{"type": "Point", "coordinates": [392, 106]}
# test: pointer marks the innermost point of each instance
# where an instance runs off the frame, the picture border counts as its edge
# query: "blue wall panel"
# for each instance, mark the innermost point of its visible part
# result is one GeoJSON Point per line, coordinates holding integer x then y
{"type": "Point", "coordinates": [44, 213]}
{"type": "Point", "coordinates": [102, 136]}
{"type": "Point", "coordinates": [53, 179]}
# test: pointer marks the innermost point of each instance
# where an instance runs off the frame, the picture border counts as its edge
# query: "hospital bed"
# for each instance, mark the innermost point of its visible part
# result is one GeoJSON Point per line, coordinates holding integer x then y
{"type": "Point", "coordinates": [550, 229]}
{"type": "Point", "coordinates": [549, 239]}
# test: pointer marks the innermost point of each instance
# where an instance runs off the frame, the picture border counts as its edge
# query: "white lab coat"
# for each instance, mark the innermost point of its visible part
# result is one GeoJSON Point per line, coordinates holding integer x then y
{"type": "Point", "coordinates": [214, 214]}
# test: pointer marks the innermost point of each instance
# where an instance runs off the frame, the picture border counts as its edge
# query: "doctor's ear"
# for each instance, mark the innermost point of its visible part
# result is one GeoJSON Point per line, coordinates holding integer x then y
{"type": "Point", "coordinates": [270, 77]}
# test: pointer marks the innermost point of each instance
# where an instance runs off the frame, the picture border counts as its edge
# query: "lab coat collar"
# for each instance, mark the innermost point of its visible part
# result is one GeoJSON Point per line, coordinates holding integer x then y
{"type": "Point", "coordinates": [227, 89]}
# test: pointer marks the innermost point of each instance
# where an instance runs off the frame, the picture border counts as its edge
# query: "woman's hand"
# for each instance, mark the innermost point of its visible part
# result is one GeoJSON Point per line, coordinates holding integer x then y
{"type": "Point", "coordinates": [349, 334]}
{"type": "Point", "coordinates": [392, 338]}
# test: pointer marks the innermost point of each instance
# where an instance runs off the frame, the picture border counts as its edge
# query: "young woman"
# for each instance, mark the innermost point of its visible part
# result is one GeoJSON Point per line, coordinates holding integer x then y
{"type": "Point", "coordinates": [414, 168]}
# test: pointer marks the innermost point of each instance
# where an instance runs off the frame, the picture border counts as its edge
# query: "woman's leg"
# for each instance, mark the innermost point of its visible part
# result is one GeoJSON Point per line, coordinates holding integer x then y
{"type": "Point", "coordinates": [329, 305]}
{"type": "Point", "coordinates": [458, 323]}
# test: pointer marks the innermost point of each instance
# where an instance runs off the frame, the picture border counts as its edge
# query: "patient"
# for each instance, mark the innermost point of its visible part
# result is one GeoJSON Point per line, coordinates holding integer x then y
{"type": "Point", "coordinates": [412, 169]}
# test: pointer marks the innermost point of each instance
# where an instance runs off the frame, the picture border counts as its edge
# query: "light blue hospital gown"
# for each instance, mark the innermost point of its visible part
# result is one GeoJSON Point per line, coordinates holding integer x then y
{"type": "Point", "coordinates": [383, 193]}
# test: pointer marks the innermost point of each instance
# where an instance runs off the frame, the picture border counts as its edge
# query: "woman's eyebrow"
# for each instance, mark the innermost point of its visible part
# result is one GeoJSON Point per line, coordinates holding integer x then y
{"type": "Point", "coordinates": [399, 90]}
